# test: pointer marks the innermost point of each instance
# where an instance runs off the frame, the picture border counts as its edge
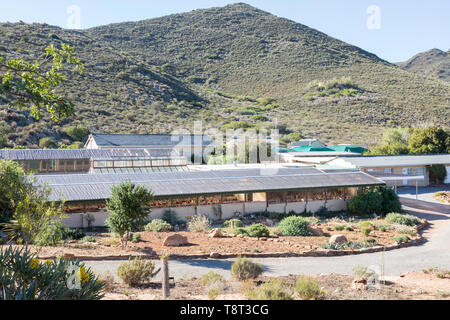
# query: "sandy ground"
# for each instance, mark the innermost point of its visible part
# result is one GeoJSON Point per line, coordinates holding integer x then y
{"type": "Point", "coordinates": [411, 286]}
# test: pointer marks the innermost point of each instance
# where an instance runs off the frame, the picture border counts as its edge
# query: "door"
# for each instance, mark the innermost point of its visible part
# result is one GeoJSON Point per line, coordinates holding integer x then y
{"type": "Point", "coordinates": [405, 172]}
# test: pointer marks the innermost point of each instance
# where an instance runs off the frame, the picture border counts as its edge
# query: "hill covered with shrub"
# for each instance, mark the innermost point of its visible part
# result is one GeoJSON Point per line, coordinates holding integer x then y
{"type": "Point", "coordinates": [233, 66]}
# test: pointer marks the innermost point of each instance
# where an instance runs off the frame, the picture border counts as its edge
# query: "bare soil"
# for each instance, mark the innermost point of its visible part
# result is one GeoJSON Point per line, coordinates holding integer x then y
{"type": "Point", "coordinates": [411, 286]}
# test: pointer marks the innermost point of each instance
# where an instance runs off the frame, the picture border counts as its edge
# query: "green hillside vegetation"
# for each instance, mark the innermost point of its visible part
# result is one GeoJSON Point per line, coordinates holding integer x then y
{"type": "Point", "coordinates": [433, 63]}
{"type": "Point", "coordinates": [232, 67]}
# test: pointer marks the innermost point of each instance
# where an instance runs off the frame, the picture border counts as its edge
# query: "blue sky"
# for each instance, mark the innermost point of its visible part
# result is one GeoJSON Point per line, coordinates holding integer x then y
{"type": "Point", "coordinates": [403, 28]}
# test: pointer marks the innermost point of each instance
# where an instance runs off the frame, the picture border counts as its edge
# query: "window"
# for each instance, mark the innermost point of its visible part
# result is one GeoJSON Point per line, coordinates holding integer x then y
{"type": "Point", "coordinates": [420, 171]}
{"type": "Point", "coordinates": [388, 170]}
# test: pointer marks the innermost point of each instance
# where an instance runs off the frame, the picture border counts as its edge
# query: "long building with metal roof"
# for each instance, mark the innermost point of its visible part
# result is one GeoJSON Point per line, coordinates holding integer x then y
{"type": "Point", "coordinates": [227, 192]}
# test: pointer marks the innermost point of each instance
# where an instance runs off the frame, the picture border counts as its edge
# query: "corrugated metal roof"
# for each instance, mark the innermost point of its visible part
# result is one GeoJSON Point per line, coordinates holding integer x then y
{"type": "Point", "coordinates": [56, 154]}
{"type": "Point", "coordinates": [82, 187]}
{"type": "Point", "coordinates": [150, 140]}
{"type": "Point", "coordinates": [397, 161]}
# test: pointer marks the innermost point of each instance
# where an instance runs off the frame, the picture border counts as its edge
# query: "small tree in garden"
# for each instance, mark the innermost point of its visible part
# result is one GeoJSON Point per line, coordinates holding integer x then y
{"type": "Point", "coordinates": [128, 205]}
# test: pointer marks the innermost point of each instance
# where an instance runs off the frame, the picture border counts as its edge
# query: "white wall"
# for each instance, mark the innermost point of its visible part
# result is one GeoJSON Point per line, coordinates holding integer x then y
{"type": "Point", "coordinates": [297, 207]}
{"type": "Point", "coordinates": [314, 206]}
{"type": "Point", "coordinates": [253, 207]}
{"type": "Point", "coordinates": [336, 205]}
{"type": "Point", "coordinates": [229, 209]}
{"type": "Point", "coordinates": [276, 207]}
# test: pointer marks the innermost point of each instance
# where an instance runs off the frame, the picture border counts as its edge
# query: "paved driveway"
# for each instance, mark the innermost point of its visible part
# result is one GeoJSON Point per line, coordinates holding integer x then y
{"type": "Point", "coordinates": [434, 252]}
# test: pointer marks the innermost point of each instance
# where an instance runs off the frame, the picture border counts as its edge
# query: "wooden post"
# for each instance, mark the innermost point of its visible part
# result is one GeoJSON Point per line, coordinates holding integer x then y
{"type": "Point", "coordinates": [165, 276]}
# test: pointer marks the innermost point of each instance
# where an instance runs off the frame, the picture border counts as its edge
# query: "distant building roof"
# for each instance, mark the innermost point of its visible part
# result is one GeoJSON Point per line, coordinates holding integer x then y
{"type": "Point", "coordinates": [307, 143]}
{"type": "Point", "coordinates": [349, 148]}
{"type": "Point", "coordinates": [394, 161]}
{"type": "Point", "coordinates": [149, 140]}
{"type": "Point", "coordinates": [69, 154]}
{"type": "Point", "coordinates": [84, 187]}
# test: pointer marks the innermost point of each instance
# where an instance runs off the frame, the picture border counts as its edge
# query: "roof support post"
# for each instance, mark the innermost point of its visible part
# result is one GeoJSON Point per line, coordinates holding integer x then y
{"type": "Point", "coordinates": [417, 189]}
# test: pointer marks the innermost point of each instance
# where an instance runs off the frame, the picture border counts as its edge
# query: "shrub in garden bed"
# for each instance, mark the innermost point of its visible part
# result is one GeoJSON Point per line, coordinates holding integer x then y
{"type": "Point", "coordinates": [158, 225]}
{"type": "Point", "coordinates": [401, 239]}
{"type": "Point", "coordinates": [258, 230]}
{"type": "Point", "coordinates": [294, 226]}
{"type": "Point", "coordinates": [244, 269]}
{"type": "Point", "coordinates": [240, 231]}
{"type": "Point", "coordinates": [233, 223]}
{"type": "Point", "coordinates": [88, 239]}
{"type": "Point", "coordinates": [405, 219]}
{"type": "Point", "coordinates": [136, 272]}
{"type": "Point", "coordinates": [199, 223]}
{"type": "Point", "coordinates": [136, 237]}
{"type": "Point", "coordinates": [349, 245]}
{"type": "Point", "coordinates": [55, 233]}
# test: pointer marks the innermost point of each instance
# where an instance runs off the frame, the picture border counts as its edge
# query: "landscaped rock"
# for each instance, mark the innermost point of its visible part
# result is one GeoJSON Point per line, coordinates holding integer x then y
{"type": "Point", "coordinates": [338, 238]}
{"type": "Point", "coordinates": [175, 240]}
{"type": "Point", "coordinates": [215, 233]}
{"type": "Point", "coordinates": [214, 255]}
{"type": "Point", "coordinates": [315, 231]}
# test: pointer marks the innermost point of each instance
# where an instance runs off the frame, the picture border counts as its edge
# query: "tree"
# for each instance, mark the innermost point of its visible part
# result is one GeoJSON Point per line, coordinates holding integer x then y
{"type": "Point", "coordinates": [14, 185]}
{"type": "Point", "coordinates": [77, 133]}
{"type": "Point", "coordinates": [438, 172]}
{"type": "Point", "coordinates": [430, 140]}
{"type": "Point", "coordinates": [394, 142]}
{"type": "Point", "coordinates": [24, 83]}
{"type": "Point", "coordinates": [35, 213]}
{"type": "Point", "coordinates": [47, 143]}
{"type": "Point", "coordinates": [128, 205]}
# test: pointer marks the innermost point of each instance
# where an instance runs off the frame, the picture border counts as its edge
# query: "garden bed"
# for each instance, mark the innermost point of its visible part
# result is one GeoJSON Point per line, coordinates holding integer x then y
{"type": "Point", "coordinates": [229, 245]}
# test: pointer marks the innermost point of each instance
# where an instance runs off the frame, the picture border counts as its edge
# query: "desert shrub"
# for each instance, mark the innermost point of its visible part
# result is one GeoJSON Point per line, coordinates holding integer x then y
{"type": "Point", "coordinates": [24, 277]}
{"type": "Point", "coordinates": [370, 241]}
{"type": "Point", "coordinates": [72, 234]}
{"type": "Point", "coordinates": [240, 231]}
{"type": "Point", "coordinates": [383, 228]}
{"type": "Point", "coordinates": [348, 228]}
{"type": "Point", "coordinates": [365, 224]}
{"type": "Point", "coordinates": [211, 277]}
{"type": "Point", "coordinates": [361, 272]}
{"type": "Point", "coordinates": [258, 230]}
{"type": "Point", "coordinates": [51, 235]}
{"type": "Point", "coordinates": [400, 228]}
{"type": "Point", "coordinates": [308, 288]}
{"type": "Point", "coordinates": [272, 290]}
{"type": "Point", "coordinates": [214, 283]}
{"type": "Point", "coordinates": [47, 143]}
{"type": "Point", "coordinates": [108, 280]}
{"type": "Point", "coordinates": [294, 226]}
{"type": "Point", "coordinates": [404, 219]}
{"type": "Point", "coordinates": [158, 225]}
{"type": "Point", "coordinates": [401, 239]}
{"type": "Point", "coordinates": [440, 273]}
{"type": "Point", "coordinates": [88, 239]}
{"type": "Point", "coordinates": [136, 237]}
{"type": "Point", "coordinates": [199, 223]}
{"type": "Point", "coordinates": [339, 227]}
{"type": "Point", "coordinates": [233, 223]}
{"type": "Point", "coordinates": [136, 272]}
{"type": "Point", "coordinates": [244, 269]}
{"type": "Point", "coordinates": [366, 231]}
